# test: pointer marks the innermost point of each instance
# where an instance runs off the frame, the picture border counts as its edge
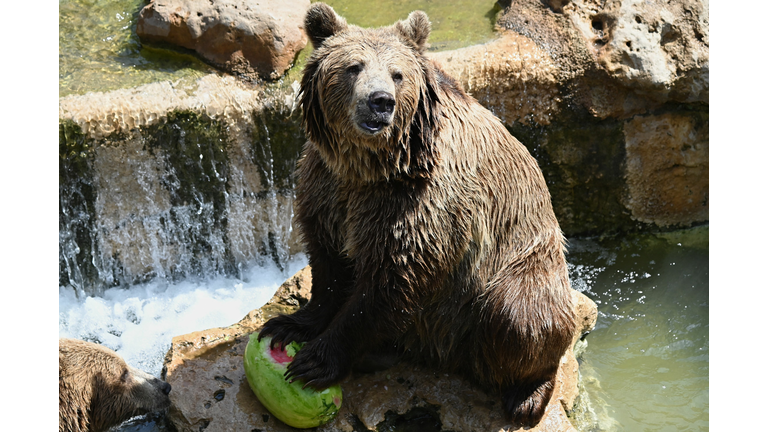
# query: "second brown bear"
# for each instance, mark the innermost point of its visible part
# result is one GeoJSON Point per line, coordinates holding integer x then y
{"type": "Point", "coordinates": [98, 390]}
{"type": "Point", "coordinates": [429, 228]}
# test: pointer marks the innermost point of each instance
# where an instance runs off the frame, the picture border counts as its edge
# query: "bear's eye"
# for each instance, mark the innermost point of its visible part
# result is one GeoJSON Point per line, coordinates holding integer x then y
{"type": "Point", "coordinates": [124, 376]}
{"type": "Point", "coordinates": [354, 69]}
{"type": "Point", "coordinates": [397, 77]}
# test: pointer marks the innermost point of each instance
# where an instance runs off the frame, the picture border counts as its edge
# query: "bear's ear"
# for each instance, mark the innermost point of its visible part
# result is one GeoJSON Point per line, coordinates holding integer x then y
{"type": "Point", "coordinates": [416, 29]}
{"type": "Point", "coordinates": [321, 23]}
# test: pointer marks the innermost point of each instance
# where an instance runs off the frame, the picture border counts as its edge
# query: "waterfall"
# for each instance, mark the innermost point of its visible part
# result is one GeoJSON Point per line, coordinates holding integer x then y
{"type": "Point", "coordinates": [167, 182]}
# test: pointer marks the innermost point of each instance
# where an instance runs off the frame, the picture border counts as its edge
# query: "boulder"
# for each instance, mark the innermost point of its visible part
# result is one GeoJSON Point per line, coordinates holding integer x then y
{"type": "Point", "coordinates": [667, 167]}
{"type": "Point", "coordinates": [622, 57]}
{"type": "Point", "coordinates": [658, 47]}
{"type": "Point", "coordinates": [210, 390]}
{"type": "Point", "coordinates": [250, 38]}
{"type": "Point", "coordinates": [611, 98]}
{"type": "Point", "coordinates": [512, 76]}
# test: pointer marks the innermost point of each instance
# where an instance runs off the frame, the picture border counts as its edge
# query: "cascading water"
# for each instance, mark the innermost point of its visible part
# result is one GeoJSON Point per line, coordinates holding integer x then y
{"type": "Point", "coordinates": [188, 197]}
{"type": "Point", "coordinates": [139, 321]}
{"type": "Point", "coordinates": [179, 225]}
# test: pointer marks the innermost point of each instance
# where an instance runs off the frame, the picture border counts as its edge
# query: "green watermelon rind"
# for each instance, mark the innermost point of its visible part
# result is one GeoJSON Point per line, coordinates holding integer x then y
{"type": "Point", "coordinates": [293, 405]}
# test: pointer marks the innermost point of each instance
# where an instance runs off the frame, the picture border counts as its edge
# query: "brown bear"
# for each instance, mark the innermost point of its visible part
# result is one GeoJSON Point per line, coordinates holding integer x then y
{"type": "Point", "coordinates": [429, 228]}
{"type": "Point", "coordinates": [98, 390]}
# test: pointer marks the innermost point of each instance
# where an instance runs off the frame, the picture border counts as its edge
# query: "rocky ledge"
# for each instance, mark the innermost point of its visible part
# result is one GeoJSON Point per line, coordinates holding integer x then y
{"type": "Point", "coordinates": [211, 393]}
{"type": "Point", "coordinates": [250, 39]}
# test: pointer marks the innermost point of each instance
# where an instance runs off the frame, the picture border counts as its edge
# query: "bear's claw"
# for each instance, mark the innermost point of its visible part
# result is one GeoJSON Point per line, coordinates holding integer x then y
{"type": "Point", "coordinates": [318, 365]}
{"type": "Point", "coordinates": [284, 329]}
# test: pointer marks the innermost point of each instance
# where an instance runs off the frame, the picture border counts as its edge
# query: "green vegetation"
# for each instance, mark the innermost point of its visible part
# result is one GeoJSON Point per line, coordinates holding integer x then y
{"type": "Point", "coordinates": [194, 149]}
{"type": "Point", "coordinates": [277, 142]}
{"type": "Point", "coordinates": [99, 49]}
{"type": "Point", "coordinates": [582, 161]}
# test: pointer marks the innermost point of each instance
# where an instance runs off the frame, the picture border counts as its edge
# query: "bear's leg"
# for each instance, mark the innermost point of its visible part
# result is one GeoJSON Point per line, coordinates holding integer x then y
{"type": "Point", "coordinates": [526, 402]}
{"type": "Point", "coordinates": [373, 312]}
{"type": "Point", "coordinates": [528, 320]}
{"type": "Point", "coordinates": [331, 280]}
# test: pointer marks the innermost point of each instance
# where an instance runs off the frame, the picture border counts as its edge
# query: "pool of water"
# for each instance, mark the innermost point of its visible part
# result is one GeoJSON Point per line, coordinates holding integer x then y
{"type": "Point", "coordinates": [646, 366]}
{"type": "Point", "coordinates": [99, 49]}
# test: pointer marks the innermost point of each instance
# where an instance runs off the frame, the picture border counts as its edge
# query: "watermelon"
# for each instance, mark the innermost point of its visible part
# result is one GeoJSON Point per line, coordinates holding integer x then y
{"type": "Point", "coordinates": [295, 406]}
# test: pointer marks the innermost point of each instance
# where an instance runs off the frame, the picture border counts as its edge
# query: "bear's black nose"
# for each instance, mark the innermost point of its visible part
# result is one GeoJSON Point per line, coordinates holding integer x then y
{"type": "Point", "coordinates": [165, 388]}
{"type": "Point", "coordinates": [381, 102]}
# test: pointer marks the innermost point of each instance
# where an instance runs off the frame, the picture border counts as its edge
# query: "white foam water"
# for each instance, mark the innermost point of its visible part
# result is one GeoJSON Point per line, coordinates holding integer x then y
{"type": "Point", "coordinates": [139, 322]}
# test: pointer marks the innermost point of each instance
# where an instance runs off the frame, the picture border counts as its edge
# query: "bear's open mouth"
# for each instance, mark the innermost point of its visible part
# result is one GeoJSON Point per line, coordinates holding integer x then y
{"type": "Point", "coordinates": [372, 126]}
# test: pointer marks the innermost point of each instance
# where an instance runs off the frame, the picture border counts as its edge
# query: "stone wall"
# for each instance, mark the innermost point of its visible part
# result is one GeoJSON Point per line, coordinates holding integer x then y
{"type": "Point", "coordinates": [160, 181]}
{"type": "Point", "coordinates": [612, 98]}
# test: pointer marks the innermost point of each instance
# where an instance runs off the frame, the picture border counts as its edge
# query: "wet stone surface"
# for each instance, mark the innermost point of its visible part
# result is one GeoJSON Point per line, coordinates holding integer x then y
{"type": "Point", "coordinates": [211, 391]}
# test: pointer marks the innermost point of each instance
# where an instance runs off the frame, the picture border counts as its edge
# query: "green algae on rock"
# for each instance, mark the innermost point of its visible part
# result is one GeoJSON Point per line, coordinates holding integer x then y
{"type": "Point", "coordinates": [76, 206]}
{"type": "Point", "coordinates": [177, 193]}
{"type": "Point", "coordinates": [194, 149]}
{"type": "Point", "coordinates": [99, 50]}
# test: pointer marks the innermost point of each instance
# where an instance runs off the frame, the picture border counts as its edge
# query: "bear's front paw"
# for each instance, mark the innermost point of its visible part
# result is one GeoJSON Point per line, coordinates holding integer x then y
{"type": "Point", "coordinates": [285, 329]}
{"type": "Point", "coordinates": [319, 364]}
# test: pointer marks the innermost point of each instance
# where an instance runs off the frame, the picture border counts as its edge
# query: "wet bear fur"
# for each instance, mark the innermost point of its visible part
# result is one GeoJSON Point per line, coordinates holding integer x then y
{"type": "Point", "coordinates": [98, 390]}
{"type": "Point", "coordinates": [429, 228]}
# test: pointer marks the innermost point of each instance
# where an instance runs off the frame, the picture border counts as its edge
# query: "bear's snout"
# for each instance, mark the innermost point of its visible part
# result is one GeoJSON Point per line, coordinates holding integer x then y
{"type": "Point", "coordinates": [377, 111]}
{"type": "Point", "coordinates": [381, 102]}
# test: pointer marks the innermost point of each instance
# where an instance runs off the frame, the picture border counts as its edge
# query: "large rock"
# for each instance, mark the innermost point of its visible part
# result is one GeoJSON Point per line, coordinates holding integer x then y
{"type": "Point", "coordinates": [245, 37]}
{"type": "Point", "coordinates": [622, 57]}
{"type": "Point", "coordinates": [511, 75]}
{"type": "Point", "coordinates": [210, 390]}
{"type": "Point", "coordinates": [659, 47]}
{"type": "Point", "coordinates": [612, 100]}
{"type": "Point", "coordinates": [667, 167]}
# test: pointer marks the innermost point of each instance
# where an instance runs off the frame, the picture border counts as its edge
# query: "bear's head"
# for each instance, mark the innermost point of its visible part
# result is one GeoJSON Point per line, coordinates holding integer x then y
{"type": "Point", "coordinates": [99, 389]}
{"type": "Point", "coordinates": [121, 392]}
{"type": "Point", "coordinates": [369, 96]}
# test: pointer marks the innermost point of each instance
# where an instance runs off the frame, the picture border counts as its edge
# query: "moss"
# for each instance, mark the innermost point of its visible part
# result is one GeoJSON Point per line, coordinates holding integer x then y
{"type": "Point", "coordinates": [277, 142]}
{"type": "Point", "coordinates": [582, 161]}
{"type": "Point", "coordinates": [194, 149]}
{"type": "Point", "coordinates": [272, 310]}
{"type": "Point", "coordinates": [695, 237]}
{"type": "Point", "coordinates": [76, 207]}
